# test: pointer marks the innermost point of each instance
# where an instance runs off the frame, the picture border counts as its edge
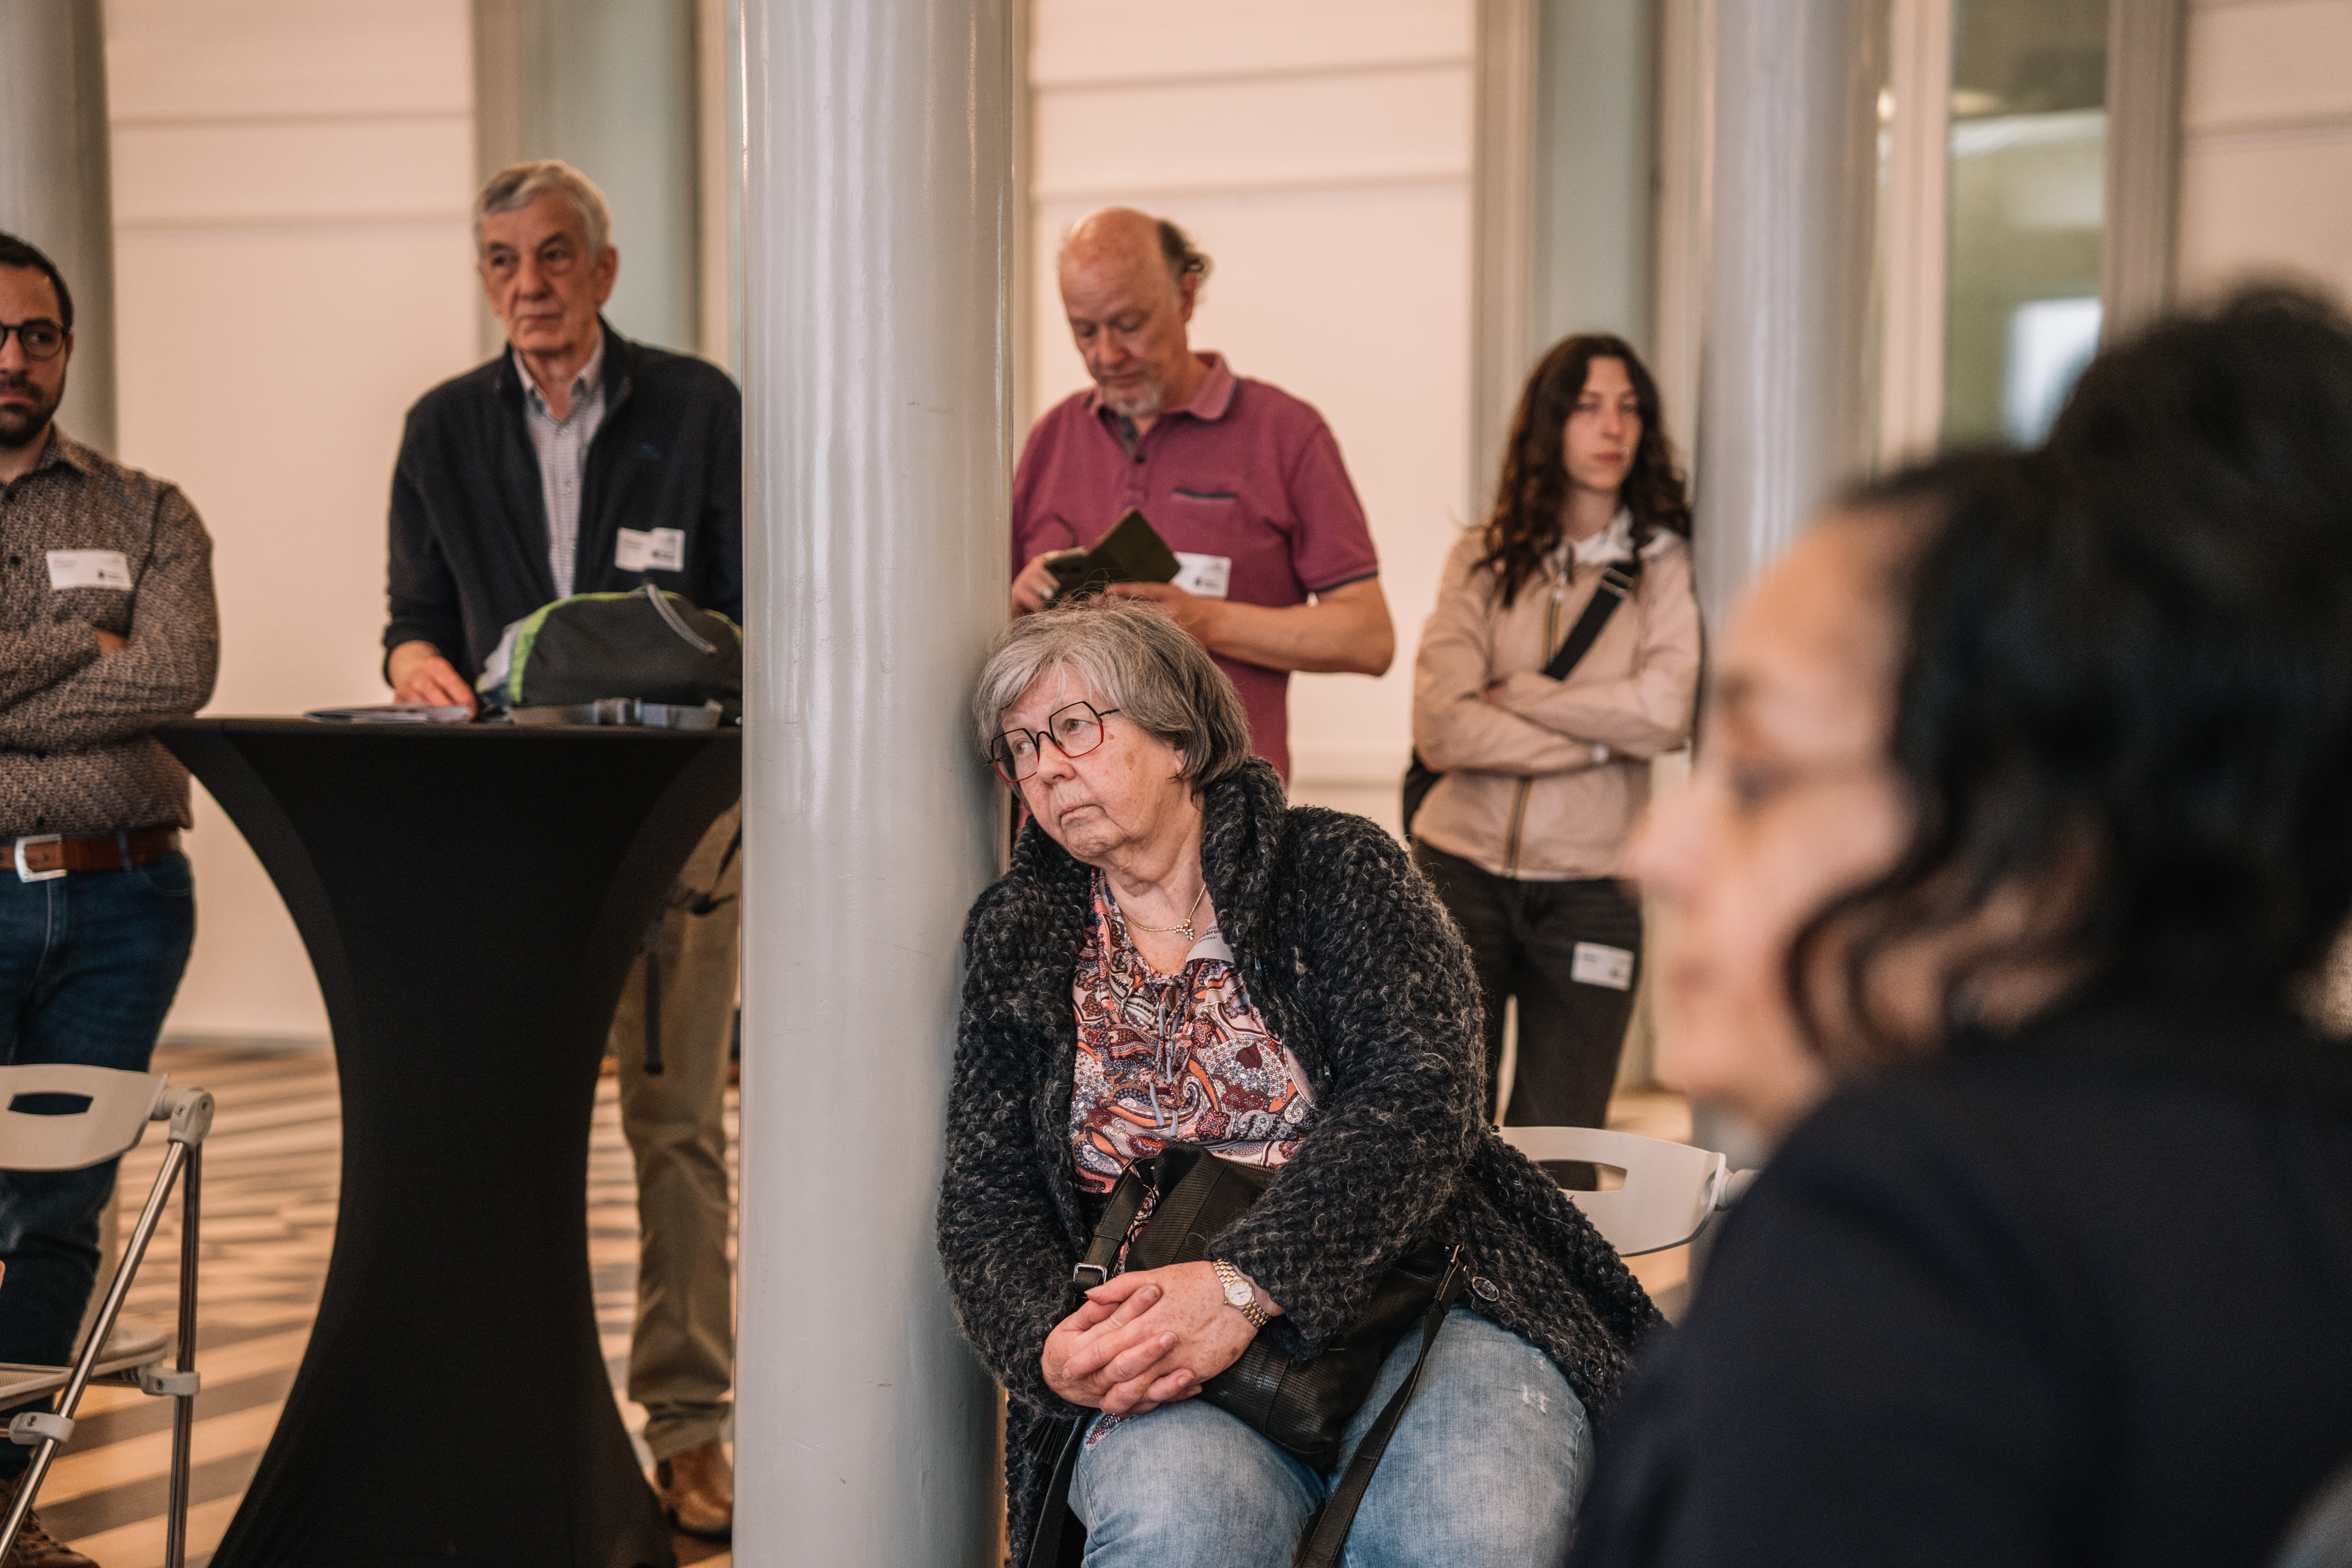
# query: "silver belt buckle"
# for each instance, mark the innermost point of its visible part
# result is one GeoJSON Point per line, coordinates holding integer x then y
{"type": "Point", "coordinates": [25, 873]}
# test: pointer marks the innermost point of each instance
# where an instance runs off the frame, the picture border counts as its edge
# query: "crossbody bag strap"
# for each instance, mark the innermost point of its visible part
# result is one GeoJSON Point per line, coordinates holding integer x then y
{"type": "Point", "coordinates": [1328, 1538]}
{"type": "Point", "coordinates": [1118, 1212]}
{"type": "Point", "coordinates": [1046, 1545]}
{"type": "Point", "coordinates": [1618, 581]}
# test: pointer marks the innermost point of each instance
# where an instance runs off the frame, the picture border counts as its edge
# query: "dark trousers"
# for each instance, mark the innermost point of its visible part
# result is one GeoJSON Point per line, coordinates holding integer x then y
{"type": "Point", "coordinates": [88, 964]}
{"type": "Point", "coordinates": [1523, 937]}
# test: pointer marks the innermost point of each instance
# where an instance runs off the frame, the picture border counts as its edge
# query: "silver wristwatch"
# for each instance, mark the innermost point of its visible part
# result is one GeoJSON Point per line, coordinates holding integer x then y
{"type": "Point", "coordinates": [1239, 1295]}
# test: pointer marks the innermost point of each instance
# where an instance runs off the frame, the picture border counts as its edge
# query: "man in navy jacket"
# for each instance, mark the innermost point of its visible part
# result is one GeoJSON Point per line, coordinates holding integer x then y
{"type": "Point", "coordinates": [580, 462]}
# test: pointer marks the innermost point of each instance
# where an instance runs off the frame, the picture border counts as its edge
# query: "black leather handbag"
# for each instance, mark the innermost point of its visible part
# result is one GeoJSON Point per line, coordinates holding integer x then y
{"type": "Point", "coordinates": [1304, 1405]}
{"type": "Point", "coordinates": [1618, 581]}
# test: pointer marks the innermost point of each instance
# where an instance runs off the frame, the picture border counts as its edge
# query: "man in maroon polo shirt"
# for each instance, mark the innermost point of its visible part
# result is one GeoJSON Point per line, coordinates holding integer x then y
{"type": "Point", "coordinates": [1243, 480]}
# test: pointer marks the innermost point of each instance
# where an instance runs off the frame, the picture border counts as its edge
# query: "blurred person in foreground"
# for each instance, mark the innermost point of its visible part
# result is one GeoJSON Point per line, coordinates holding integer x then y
{"type": "Point", "coordinates": [108, 628]}
{"type": "Point", "coordinates": [580, 462]}
{"type": "Point", "coordinates": [1542, 778]}
{"type": "Point", "coordinates": [2018, 839]}
{"type": "Point", "coordinates": [1178, 955]}
{"type": "Point", "coordinates": [1244, 481]}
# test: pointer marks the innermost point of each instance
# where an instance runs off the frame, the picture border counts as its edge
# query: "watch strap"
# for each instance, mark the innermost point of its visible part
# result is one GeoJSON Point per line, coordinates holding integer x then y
{"type": "Point", "coordinates": [1229, 1277]}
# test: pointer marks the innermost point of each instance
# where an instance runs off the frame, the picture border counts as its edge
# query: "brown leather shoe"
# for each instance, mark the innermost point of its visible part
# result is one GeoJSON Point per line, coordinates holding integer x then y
{"type": "Point", "coordinates": [35, 1547]}
{"type": "Point", "coordinates": [696, 1489]}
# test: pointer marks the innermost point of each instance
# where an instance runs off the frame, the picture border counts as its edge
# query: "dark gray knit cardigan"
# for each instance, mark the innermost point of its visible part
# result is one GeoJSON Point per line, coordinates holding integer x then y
{"type": "Point", "coordinates": [1355, 966]}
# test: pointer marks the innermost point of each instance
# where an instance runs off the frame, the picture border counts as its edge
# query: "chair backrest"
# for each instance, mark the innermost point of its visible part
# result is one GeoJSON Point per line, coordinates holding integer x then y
{"type": "Point", "coordinates": [1671, 1189]}
{"type": "Point", "coordinates": [115, 1116]}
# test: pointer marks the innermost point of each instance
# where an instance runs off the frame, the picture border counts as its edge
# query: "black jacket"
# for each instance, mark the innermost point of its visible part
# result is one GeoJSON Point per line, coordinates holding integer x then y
{"type": "Point", "coordinates": [1352, 960]}
{"type": "Point", "coordinates": [469, 530]}
{"type": "Point", "coordinates": [2077, 1298]}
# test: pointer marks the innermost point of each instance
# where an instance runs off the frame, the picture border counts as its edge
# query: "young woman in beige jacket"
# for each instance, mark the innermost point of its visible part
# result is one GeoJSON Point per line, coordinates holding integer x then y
{"type": "Point", "coordinates": [1542, 778]}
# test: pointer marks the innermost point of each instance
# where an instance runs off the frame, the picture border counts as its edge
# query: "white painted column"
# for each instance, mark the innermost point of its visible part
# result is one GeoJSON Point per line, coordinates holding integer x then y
{"type": "Point", "coordinates": [1784, 412]}
{"type": "Point", "coordinates": [877, 227]}
{"type": "Point", "coordinates": [55, 186]}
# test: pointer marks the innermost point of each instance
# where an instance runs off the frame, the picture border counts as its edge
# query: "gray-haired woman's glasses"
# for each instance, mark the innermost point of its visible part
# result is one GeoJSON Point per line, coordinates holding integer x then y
{"type": "Point", "coordinates": [1074, 728]}
{"type": "Point", "coordinates": [40, 339]}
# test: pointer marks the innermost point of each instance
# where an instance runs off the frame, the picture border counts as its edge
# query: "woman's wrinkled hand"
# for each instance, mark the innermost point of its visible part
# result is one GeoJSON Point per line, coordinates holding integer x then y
{"type": "Point", "coordinates": [1145, 1339]}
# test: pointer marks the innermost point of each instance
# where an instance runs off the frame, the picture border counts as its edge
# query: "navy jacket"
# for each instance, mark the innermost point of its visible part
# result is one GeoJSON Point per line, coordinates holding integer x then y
{"type": "Point", "coordinates": [469, 530]}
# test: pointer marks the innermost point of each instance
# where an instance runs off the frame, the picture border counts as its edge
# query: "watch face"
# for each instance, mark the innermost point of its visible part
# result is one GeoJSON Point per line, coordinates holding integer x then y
{"type": "Point", "coordinates": [1238, 1293]}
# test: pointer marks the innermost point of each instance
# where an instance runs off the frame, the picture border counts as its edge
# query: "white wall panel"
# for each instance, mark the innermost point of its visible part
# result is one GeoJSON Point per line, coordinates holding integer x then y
{"type": "Point", "coordinates": [189, 174]}
{"type": "Point", "coordinates": [1320, 151]}
{"type": "Point", "coordinates": [274, 59]}
{"type": "Point", "coordinates": [1400, 125]}
{"type": "Point", "coordinates": [293, 269]}
{"type": "Point", "coordinates": [2266, 156]}
{"type": "Point", "coordinates": [2268, 208]}
{"type": "Point", "coordinates": [2267, 63]}
{"type": "Point", "coordinates": [1078, 41]}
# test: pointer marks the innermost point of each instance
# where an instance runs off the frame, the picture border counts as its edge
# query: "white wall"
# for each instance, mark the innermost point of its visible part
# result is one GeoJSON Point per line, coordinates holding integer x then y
{"type": "Point", "coordinates": [2266, 155]}
{"type": "Point", "coordinates": [290, 187]}
{"type": "Point", "coordinates": [1319, 150]}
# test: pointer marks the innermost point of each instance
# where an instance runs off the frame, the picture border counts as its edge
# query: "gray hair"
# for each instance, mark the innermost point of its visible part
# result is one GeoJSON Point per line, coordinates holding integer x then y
{"type": "Point", "coordinates": [519, 184]}
{"type": "Point", "coordinates": [1139, 661]}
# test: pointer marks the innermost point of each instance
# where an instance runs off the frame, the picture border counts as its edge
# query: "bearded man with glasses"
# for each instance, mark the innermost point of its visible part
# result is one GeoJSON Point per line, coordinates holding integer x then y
{"type": "Point", "coordinates": [577, 461]}
{"type": "Point", "coordinates": [107, 628]}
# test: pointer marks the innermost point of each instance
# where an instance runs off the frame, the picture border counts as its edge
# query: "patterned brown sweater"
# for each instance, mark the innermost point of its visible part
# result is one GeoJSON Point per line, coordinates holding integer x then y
{"type": "Point", "coordinates": [75, 753]}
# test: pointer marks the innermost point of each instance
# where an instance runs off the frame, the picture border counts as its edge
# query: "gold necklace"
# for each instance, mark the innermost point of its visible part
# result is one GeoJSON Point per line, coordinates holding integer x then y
{"type": "Point", "coordinates": [1184, 925]}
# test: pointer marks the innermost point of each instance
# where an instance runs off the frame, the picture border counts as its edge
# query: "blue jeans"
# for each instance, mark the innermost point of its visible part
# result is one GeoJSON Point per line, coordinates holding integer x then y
{"type": "Point", "coordinates": [1484, 1471]}
{"type": "Point", "coordinates": [89, 963]}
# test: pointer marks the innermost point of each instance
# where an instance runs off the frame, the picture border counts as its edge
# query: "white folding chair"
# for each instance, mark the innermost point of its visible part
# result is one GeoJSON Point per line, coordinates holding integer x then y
{"type": "Point", "coordinates": [109, 1122]}
{"type": "Point", "coordinates": [1671, 1190]}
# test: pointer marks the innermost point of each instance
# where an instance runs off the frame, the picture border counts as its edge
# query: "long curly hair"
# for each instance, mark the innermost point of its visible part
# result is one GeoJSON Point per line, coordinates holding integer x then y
{"type": "Point", "coordinates": [1524, 526]}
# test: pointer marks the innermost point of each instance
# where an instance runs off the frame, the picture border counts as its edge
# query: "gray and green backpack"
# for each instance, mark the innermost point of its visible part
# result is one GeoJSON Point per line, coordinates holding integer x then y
{"type": "Point", "coordinates": [645, 657]}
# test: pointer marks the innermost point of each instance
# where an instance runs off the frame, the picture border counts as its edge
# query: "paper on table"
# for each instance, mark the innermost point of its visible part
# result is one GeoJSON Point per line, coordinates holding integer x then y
{"type": "Point", "coordinates": [393, 713]}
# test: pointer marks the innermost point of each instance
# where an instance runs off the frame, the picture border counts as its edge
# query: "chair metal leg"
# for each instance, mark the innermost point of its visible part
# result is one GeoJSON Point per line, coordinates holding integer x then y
{"type": "Point", "coordinates": [45, 1450]}
{"type": "Point", "coordinates": [184, 1405]}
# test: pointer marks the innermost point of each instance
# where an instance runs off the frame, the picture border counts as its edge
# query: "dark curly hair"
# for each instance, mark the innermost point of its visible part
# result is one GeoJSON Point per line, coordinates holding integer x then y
{"type": "Point", "coordinates": [1525, 524]}
{"type": "Point", "coordinates": [2128, 670]}
{"type": "Point", "coordinates": [16, 252]}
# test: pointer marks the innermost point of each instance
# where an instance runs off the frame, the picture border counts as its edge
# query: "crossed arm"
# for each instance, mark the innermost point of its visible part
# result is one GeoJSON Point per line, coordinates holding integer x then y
{"type": "Point", "coordinates": [72, 686]}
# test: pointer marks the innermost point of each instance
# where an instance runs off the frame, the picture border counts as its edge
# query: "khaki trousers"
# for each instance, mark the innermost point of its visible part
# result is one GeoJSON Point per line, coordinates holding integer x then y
{"type": "Point", "coordinates": [682, 1353]}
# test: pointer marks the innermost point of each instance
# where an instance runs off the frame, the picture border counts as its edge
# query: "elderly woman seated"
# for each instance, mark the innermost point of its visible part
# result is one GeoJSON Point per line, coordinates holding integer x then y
{"type": "Point", "coordinates": [1180, 955]}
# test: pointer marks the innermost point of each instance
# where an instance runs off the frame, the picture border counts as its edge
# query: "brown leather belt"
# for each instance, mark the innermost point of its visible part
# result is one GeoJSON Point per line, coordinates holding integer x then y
{"type": "Point", "coordinates": [47, 855]}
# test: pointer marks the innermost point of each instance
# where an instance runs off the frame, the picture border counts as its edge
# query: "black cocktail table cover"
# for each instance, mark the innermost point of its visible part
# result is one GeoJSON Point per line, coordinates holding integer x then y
{"type": "Point", "coordinates": [470, 897]}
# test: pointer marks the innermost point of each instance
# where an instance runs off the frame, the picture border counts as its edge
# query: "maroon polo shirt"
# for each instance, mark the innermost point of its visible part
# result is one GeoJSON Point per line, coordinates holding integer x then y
{"type": "Point", "coordinates": [1245, 484]}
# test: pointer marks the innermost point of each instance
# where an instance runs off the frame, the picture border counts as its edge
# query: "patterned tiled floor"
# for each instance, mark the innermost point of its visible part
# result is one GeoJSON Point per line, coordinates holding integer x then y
{"type": "Point", "coordinates": [270, 1176]}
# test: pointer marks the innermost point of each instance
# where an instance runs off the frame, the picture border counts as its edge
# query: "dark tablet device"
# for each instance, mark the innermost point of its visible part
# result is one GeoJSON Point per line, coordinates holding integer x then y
{"type": "Point", "coordinates": [1132, 552]}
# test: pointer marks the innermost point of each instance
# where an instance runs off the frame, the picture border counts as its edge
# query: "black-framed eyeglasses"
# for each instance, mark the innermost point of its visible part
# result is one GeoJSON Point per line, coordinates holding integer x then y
{"type": "Point", "coordinates": [1074, 728]}
{"type": "Point", "coordinates": [41, 338]}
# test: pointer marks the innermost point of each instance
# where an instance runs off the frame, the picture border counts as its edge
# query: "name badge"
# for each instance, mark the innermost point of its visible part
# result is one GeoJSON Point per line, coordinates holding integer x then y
{"type": "Point", "coordinates": [1593, 964]}
{"type": "Point", "coordinates": [651, 550]}
{"type": "Point", "coordinates": [1207, 575]}
{"type": "Point", "coordinates": [89, 569]}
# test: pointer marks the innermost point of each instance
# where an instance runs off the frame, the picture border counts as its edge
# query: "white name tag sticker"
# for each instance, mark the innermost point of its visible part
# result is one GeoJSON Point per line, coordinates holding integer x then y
{"type": "Point", "coordinates": [651, 550]}
{"type": "Point", "coordinates": [89, 569]}
{"type": "Point", "coordinates": [1594, 965]}
{"type": "Point", "coordinates": [1207, 575]}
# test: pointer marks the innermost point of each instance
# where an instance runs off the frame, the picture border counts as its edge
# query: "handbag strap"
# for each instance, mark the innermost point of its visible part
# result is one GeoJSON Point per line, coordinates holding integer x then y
{"type": "Point", "coordinates": [1618, 581]}
{"type": "Point", "coordinates": [1328, 1538]}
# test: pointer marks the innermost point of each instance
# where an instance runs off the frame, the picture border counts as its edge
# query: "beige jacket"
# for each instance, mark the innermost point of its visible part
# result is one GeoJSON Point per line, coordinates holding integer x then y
{"type": "Point", "coordinates": [1526, 792]}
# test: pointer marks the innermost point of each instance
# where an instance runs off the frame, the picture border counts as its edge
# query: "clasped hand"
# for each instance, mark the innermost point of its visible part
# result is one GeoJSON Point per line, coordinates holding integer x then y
{"type": "Point", "coordinates": [1145, 1339]}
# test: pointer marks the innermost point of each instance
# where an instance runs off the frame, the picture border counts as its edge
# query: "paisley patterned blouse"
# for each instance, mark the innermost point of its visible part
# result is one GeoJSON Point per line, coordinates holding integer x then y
{"type": "Point", "coordinates": [1175, 1058]}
